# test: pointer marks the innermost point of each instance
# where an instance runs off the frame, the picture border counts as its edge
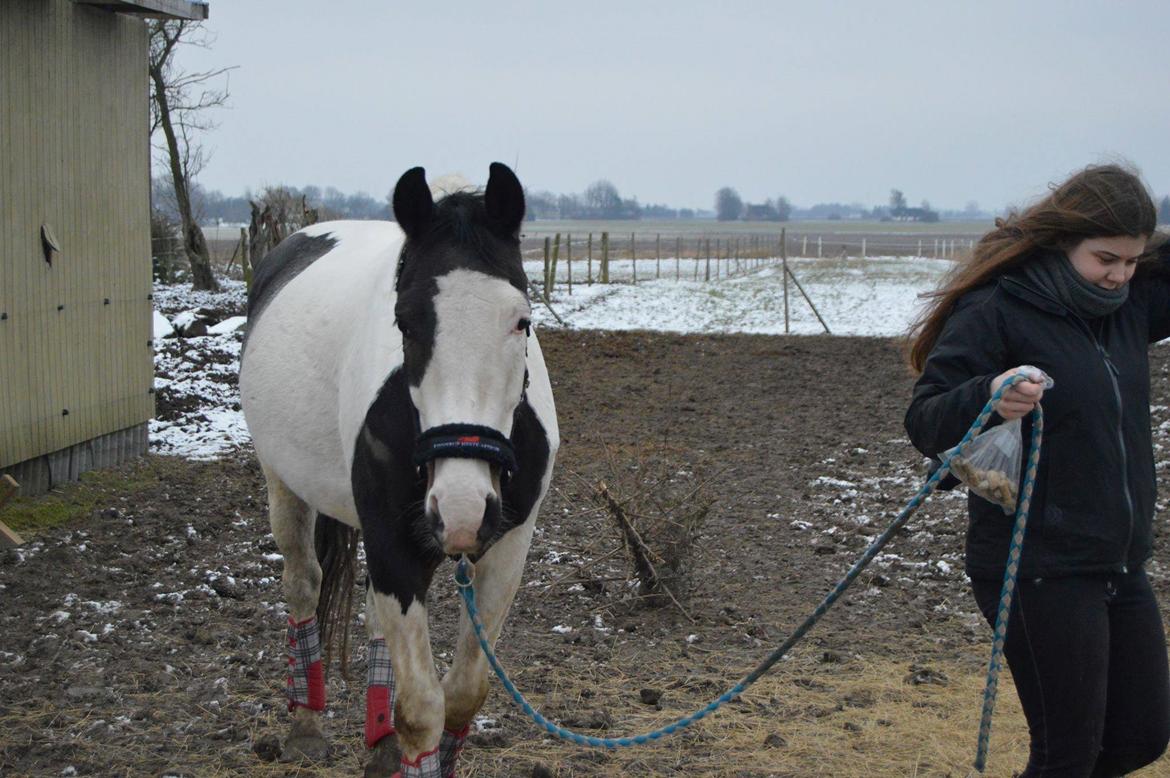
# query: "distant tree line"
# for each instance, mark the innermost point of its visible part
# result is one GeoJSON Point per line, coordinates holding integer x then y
{"type": "Point", "coordinates": [729, 206]}
{"type": "Point", "coordinates": [212, 206]}
{"type": "Point", "coordinates": [600, 200]}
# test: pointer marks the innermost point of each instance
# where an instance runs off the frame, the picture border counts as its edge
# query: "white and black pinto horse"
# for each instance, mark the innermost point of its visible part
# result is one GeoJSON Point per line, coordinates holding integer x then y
{"type": "Point", "coordinates": [391, 383]}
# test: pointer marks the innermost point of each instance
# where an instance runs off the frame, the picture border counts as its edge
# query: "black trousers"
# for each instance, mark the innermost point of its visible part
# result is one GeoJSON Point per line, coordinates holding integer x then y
{"type": "Point", "coordinates": [1088, 657]}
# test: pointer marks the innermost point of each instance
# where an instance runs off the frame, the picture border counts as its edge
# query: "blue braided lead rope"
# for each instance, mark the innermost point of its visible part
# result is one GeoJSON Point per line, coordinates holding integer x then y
{"type": "Point", "coordinates": [463, 579]}
{"type": "Point", "coordinates": [1010, 574]}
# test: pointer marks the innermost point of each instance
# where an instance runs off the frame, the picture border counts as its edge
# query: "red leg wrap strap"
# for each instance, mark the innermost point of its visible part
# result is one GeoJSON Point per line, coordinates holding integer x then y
{"type": "Point", "coordinates": [379, 693]}
{"type": "Point", "coordinates": [306, 674]}
{"type": "Point", "coordinates": [425, 766]}
{"type": "Point", "coordinates": [450, 744]}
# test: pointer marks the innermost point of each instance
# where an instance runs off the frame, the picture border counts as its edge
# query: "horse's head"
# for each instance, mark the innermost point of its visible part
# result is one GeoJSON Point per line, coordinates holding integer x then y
{"type": "Point", "coordinates": [463, 311]}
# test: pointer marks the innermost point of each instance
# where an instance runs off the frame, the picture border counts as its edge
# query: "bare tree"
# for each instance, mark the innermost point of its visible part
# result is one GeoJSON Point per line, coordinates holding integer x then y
{"type": "Point", "coordinates": [179, 102]}
{"type": "Point", "coordinates": [728, 205]}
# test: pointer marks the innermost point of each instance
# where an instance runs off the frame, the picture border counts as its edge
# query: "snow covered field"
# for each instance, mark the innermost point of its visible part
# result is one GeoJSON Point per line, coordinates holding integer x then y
{"type": "Point", "coordinates": [877, 296]}
{"type": "Point", "coordinates": [199, 401]}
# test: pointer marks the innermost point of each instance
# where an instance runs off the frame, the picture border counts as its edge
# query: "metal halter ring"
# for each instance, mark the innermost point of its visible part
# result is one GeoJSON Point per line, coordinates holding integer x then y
{"type": "Point", "coordinates": [465, 574]}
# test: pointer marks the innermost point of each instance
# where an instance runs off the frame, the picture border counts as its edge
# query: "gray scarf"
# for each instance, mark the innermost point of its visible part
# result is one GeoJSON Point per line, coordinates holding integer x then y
{"type": "Point", "coordinates": [1055, 275]}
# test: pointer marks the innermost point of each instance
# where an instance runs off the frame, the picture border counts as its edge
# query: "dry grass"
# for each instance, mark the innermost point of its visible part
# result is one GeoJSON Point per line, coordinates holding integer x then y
{"type": "Point", "coordinates": [850, 720]}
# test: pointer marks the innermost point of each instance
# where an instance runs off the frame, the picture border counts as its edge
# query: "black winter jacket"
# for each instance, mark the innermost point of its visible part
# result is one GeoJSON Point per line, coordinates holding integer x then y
{"type": "Point", "coordinates": [1093, 505]}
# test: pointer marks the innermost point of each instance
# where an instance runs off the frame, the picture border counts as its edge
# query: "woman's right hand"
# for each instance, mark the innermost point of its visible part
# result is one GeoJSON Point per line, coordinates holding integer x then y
{"type": "Point", "coordinates": [1020, 398]}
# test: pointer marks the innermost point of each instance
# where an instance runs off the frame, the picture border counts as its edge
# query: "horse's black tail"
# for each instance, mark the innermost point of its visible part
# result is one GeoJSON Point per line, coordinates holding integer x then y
{"type": "Point", "coordinates": [337, 545]}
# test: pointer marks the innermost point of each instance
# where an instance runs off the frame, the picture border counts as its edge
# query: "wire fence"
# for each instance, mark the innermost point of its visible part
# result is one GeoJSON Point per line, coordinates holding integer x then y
{"type": "Point", "coordinates": [587, 258]}
{"type": "Point", "coordinates": [796, 244]}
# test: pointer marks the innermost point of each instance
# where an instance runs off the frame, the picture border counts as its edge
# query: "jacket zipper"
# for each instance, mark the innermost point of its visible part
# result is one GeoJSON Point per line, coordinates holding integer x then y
{"type": "Point", "coordinates": [1113, 376]}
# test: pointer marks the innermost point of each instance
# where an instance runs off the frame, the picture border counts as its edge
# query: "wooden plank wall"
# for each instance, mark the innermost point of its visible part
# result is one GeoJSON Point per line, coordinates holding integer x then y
{"type": "Point", "coordinates": [75, 359]}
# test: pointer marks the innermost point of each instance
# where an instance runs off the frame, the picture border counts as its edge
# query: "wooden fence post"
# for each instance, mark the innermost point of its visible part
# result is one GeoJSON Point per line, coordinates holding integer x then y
{"type": "Point", "coordinates": [569, 259]}
{"type": "Point", "coordinates": [546, 268]}
{"type": "Point", "coordinates": [605, 257]}
{"type": "Point", "coordinates": [784, 264]}
{"type": "Point", "coordinates": [9, 538]}
{"type": "Point", "coordinates": [589, 261]}
{"type": "Point", "coordinates": [677, 254]}
{"type": "Point", "coordinates": [245, 258]}
{"type": "Point", "coordinates": [634, 257]}
{"type": "Point", "coordinates": [658, 255]}
{"type": "Point", "coordinates": [804, 247]}
{"type": "Point", "coordinates": [819, 254]}
{"type": "Point", "coordinates": [707, 272]}
{"type": "Point", "coordinates": [556, 252]}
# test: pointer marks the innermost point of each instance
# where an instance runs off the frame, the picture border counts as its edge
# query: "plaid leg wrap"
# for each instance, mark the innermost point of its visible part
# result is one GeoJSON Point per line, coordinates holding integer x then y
{"type": "Point", "coordinates": [426, 766]}
{"type": "Point", "coordinates": [306, 675]}
{"type": "Point", "coordinates": [379, 693]}
{"type": "Point", "coordinates": [450, 744]}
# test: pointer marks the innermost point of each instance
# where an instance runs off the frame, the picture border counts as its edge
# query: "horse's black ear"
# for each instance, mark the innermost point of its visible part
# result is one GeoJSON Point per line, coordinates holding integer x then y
{"type": "Point", "coordinates": [504, 199]}
{"type": "Point", "coordinates": [413, 205]}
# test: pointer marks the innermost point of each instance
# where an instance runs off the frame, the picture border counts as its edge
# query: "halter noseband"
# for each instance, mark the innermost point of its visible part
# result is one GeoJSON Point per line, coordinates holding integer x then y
{"type": "Point", "coordinates": [466, 441]}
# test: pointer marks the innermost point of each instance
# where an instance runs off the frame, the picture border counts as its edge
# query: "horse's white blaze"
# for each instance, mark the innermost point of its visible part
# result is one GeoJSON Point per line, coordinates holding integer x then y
{"type": "Point", "coordinates": [475, 376]}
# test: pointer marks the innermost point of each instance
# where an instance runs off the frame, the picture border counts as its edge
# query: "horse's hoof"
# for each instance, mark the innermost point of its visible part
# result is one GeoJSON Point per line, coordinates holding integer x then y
{"type": "Point", "coordinates": [306, 742]}
{"type": "Point", "coordinates": [384, 759]}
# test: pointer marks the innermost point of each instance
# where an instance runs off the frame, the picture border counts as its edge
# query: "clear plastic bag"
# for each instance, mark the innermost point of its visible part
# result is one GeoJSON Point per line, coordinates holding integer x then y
{"type": "Point", "coordinates": [990, 464]}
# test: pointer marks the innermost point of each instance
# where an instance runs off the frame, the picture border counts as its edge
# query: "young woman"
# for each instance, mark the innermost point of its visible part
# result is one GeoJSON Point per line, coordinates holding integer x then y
{"type": "Point", "coordinates": [1071, 286]}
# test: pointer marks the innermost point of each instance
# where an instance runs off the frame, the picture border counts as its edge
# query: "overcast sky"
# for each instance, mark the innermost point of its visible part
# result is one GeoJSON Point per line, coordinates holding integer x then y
{"type": "Point", "coordinates": [817, 101]}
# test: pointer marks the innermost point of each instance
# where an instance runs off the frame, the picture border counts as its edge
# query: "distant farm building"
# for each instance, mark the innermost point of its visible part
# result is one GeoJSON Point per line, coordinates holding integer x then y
{"type": "Point", "coordinates": [76, 366]}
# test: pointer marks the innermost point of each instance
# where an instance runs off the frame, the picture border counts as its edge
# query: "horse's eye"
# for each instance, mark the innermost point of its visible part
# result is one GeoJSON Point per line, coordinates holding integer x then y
{"type": "Point", "coordinates": [523, 324]}
{"type": "Point", "coordinates": [403, 328]}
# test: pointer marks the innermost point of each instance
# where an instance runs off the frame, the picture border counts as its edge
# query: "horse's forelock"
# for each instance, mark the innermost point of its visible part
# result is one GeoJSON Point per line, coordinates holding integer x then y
{"type": "Point", "coordinates": [460, 234]}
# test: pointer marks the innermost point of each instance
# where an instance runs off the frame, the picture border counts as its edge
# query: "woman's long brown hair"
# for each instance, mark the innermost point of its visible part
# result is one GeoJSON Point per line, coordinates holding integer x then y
{"type": "Point", "coordinates": [1098, 202]}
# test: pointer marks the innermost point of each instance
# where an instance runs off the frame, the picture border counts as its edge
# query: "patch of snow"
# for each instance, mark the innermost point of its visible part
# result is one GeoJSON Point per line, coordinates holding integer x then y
{"type": "Point", "coordinates": [484, 724]}
{"type": "Point", "coordinates": [228, 325]}
{"type": "Point", "coordinates": [162, 327]}
{"type": "Point", "coordinates": [825, 480]}
{"type": "Point", "coordinates": [185, 320]}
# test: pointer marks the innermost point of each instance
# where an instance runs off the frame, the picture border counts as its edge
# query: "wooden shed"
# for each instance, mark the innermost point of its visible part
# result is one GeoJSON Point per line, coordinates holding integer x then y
{"type": "Point", "coordinates": [76, 366]}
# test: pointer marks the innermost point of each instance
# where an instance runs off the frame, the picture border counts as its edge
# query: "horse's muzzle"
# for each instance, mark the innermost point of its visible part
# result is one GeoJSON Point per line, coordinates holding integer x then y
{"type": "Point", "coordinates": [464, 535]}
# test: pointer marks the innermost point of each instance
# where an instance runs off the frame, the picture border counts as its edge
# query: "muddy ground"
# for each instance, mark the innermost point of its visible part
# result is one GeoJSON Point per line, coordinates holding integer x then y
{"type": "Point", "coordinates": [147, 637]}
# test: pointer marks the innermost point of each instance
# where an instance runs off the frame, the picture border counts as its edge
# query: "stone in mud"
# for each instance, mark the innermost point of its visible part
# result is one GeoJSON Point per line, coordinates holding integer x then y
{"type": "Point", "coordinates": [598, 719]}
{"type": "Point", "coordinates": [925, 675]}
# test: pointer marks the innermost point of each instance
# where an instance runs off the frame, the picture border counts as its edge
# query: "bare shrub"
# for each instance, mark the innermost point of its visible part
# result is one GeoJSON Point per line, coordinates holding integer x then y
{"type": "Point", "coordinates": [658, 507]}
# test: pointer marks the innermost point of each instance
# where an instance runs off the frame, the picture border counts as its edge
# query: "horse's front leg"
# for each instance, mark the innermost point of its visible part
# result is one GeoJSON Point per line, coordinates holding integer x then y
{"type": "Point", "coordinates": [465, 687]}
{"type": "Point", "coordinates": [418, 697]}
